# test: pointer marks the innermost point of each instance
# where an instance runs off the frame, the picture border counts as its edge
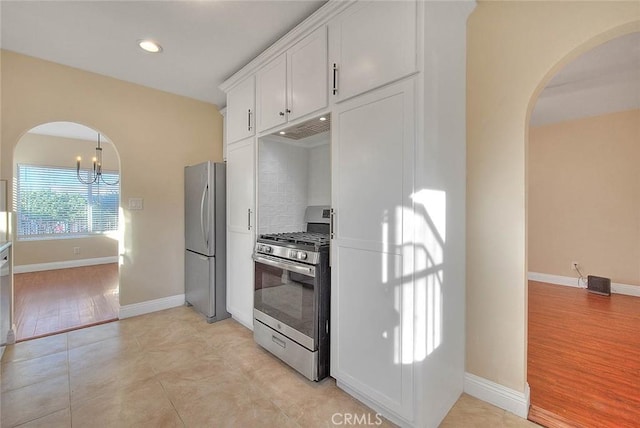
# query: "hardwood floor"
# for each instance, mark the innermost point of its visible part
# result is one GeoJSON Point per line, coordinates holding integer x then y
{"type": "Point", "coordinates": [583, 358]}
{"type": "Point", "coordinates": [61, 300]}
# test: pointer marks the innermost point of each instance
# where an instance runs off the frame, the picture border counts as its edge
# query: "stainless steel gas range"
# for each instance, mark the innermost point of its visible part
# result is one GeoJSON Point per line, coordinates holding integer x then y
{"type": "Point", "coordinates": [292, 295]}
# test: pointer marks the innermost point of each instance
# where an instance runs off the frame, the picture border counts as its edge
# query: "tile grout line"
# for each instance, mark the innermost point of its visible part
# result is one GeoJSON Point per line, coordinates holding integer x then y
{"type": "Point", "coordinates": [169, 398]}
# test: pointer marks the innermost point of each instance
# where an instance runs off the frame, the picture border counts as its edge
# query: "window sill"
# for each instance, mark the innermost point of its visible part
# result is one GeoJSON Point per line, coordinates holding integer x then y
{"type": "Point", "coordinates": [64, 237]}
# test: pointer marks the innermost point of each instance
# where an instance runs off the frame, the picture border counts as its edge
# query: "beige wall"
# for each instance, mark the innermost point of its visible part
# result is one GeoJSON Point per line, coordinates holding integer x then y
{"type": "Point", "coordinates": [156, 135]}
{"type": "Point", "coordinates": [514, 48]}
{"type": "Point", "coordinates": [35, 149]}
{"type": "Point", "coordinates": [584, 197]}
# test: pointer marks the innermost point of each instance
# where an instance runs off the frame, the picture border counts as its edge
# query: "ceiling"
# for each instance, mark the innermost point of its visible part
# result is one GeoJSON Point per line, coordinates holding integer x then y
{"type": "Point", "coordinates": [68, 130]}
{"type": "Point", "coordinates": [204, 42]}
{"type": "Point", "coordinates": [603, 80]}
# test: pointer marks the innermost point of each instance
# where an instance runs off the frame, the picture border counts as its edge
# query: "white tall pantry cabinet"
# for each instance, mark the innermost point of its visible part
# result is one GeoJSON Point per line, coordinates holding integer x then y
{"type": "Point", "coordinates": [395, 79]}
{"type": "Point", "coordinates": [240, 229]}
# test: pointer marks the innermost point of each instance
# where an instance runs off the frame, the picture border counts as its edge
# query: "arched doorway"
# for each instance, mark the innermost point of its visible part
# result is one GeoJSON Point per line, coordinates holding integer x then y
{"type": "Point", "coordinates": [66, 203]}
{"type": "Point", "coordinates": [583, 195]}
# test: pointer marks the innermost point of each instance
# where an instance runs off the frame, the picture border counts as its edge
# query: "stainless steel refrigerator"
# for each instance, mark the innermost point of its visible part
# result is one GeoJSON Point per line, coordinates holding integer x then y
{"type": "Point", "coordinates": [205, 239]}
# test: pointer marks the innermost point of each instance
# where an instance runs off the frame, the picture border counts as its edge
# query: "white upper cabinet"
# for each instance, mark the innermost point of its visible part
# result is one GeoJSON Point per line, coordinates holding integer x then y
{"type": "Point", "coordinates": [271, 93]}
{"type": "Point", "coordinates": [372, 44]}
{"type": "Point", "coordinates": [240, 117]}
{"type": "Point", "coordinates": [295, 83]}
{"type": "Point", "coordinates": [307, 75]}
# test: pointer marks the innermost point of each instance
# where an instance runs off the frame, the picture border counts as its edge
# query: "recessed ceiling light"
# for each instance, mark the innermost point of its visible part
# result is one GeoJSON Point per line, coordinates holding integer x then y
{"type": "Point", "coordinates": [282, 132]}
{"type": "Point", "coordinates": [149, 46]}
{"type": "Point", "coordinates": [322, 119]}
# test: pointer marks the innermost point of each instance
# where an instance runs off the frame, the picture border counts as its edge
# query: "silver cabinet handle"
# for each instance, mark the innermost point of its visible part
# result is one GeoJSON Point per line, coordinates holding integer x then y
{"type": "Point", "coordinates": [249, 219]}
{"type": "Point", "coordinates": [335, 79]}
{"type": "Point", "coordinates": [249, 120]}
{"type": "Point", "coordinates": [331, 226]}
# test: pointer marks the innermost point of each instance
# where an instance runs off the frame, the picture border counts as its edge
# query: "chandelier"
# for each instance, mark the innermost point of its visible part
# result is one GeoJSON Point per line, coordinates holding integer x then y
{"type": "Point", "coordinates": [96, 176]}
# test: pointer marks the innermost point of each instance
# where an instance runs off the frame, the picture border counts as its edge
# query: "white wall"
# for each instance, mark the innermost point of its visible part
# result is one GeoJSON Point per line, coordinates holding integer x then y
{"type": "Point", "coordinates": [282, 187]}
{"type": "Point", "coordinates": [290, 178]}
{"type": "Point", "coordinates": [319, 185]}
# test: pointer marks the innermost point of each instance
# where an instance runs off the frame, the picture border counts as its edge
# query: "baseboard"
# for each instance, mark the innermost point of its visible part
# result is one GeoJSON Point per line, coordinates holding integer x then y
{"type": "Point", "coordinates": [380, 410]}
{"type": "Point", "coordinates": [135, 309]}
{"type": "Point", "coordinates": [248, 323]}
{"type": "Point", "coordinates": [64, 265]}
{"type": "Point", "coordinates": [626, 289]}
{"type": "Point", "coordinates": [506, 398]}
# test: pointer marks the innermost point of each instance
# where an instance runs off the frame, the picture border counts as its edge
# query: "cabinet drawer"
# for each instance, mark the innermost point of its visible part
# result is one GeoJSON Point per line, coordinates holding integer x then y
{"type": "Point", "coordinates": [287, 350]}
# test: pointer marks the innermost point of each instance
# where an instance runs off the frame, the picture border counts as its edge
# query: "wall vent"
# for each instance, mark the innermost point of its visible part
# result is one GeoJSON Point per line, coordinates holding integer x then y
{"type": "Point", "coordinates": [599, 285]}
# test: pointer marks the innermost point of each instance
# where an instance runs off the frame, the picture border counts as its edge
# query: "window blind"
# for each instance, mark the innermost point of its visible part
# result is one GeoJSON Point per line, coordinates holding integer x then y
{"type": "Point", "coordinates": [50, 201]}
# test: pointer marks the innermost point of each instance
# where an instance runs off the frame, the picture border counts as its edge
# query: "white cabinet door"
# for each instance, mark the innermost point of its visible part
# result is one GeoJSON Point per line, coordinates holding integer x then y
{"type": "Point", "coordinates": [294, 84]}
{"type": "Point", "coordinates": [240, 116]}
{"type": "Point", "coordinates": [371, 44]}
{"type": "Point", "coordinates": [240, 229]}
{"type": "Point", "coordinates": [271, 87]}
{"type": "Point", "coordinates": [372, 152]}
{"type": "Point", "coordinates": [307, 75]}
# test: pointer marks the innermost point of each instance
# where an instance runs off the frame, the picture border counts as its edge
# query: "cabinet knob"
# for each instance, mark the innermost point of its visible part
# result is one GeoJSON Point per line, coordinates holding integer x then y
{"type": "Point", "coordinates": [288, 111]}
{"type": "Point", "coordinates": [281, 113]}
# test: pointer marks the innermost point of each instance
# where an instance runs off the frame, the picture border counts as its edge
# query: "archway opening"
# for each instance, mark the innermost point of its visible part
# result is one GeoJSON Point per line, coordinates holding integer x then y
{"type": "Point", "coordinates": [583, 204]}
{"type": "Point", "coordinates": [66, 229]}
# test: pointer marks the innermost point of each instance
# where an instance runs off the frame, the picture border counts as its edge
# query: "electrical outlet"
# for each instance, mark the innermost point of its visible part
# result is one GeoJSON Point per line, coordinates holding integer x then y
{"type": "Point", "coordinates": [76, 250]}
{"type": "Point", "coordinates": [574, 265]}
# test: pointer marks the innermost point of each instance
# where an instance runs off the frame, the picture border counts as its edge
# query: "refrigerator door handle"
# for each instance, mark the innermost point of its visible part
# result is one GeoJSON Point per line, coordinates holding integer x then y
{"type": "Point", "coordinates": [205, 233]}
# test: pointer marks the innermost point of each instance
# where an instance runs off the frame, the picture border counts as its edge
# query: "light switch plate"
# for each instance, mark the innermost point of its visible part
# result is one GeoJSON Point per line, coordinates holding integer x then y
{"type": "Point", "coordinates": [136, 204]}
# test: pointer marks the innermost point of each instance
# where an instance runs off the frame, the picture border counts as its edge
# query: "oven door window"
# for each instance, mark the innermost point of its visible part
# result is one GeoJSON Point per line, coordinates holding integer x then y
{"type": "Point", "coordinates": [286, 296]}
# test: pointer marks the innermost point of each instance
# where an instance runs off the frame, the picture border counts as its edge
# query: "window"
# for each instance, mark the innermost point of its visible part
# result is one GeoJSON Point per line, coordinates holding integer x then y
{"type": "Point", "coordinates": [51, 202]}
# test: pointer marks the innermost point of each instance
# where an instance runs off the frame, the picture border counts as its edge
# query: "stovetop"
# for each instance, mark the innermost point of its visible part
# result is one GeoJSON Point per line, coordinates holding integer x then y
{"type": "Point", "coordinates": [294, 239]}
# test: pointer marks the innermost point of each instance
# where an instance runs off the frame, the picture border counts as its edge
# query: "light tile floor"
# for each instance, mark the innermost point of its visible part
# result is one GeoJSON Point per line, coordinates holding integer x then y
{"type": "Point", "coordinates": [171, 368]}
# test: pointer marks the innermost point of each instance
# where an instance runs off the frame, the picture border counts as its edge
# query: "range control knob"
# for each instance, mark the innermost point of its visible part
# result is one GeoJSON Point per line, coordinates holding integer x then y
{"type": "Point", "coordinates": [293, 254]}
{"type": "Point", "coordinates": [302, 255]}
{"type": "Point", "coordinates": [266, 249]}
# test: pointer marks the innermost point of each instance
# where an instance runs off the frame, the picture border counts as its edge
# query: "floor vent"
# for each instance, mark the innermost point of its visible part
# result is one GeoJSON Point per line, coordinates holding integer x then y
{"type": "Point", "coordinates": [599, 285]}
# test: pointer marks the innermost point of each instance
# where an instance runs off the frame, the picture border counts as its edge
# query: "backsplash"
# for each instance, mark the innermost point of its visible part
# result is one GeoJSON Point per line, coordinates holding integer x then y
{"type": "Point", "coordinates": [289, 179]}
{"type": "Point", "coordinates": [282, 187]}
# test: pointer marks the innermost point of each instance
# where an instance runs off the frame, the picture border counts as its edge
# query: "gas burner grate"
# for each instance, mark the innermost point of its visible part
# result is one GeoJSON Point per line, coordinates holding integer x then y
{"type": "Point", "coordinates": [297, 238]}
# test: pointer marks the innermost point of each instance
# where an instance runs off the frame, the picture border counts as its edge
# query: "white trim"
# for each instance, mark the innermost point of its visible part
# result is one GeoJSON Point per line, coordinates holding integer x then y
{"type": "Point", "coordinates": [567, 281]}
{"type": "Point", "coordinates": [149, 306]}
{"type": "Point", "coordinates": [626, 289]}
{"type": "Point", "coordinates": [37, 267]}
{"type": "Point", "coordinates": [506, 398]}
{"type": "Point", "coordinates": [248, 323]}
{"type": "Point", "coordinates": [381, 410]}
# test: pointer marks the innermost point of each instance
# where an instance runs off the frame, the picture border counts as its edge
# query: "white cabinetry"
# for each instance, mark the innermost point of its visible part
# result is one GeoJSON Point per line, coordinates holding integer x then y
{"type": "Point", "coordinates": [373, 143]}
{"type": "Point", "coordinates": [371, 44]}
{"type": "Point", "coordinates": [240, 117]}
{"type": "Point", "coordinates": [240, 229]}
{"type": "Point", "coordinates": [398, 192]}
{"type": "Point", "coordinates": [271, 84]}
{"type": "Point", "coordinates": [295, 83]}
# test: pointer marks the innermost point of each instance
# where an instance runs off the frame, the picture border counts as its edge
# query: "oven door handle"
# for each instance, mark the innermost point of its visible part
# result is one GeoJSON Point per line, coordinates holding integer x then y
{"type": "Point", "coordinates": [304, 270]}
